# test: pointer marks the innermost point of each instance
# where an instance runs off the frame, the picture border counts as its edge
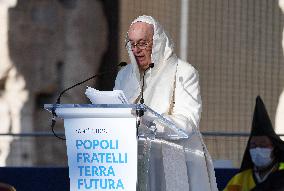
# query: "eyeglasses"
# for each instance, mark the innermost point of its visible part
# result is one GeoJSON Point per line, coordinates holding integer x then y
{"type": "Point", "coordinates": [140, 44]}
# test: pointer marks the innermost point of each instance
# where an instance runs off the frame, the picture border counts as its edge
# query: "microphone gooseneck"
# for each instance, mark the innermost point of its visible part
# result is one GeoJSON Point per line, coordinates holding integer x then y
{"type": "Point", "coordinates": [121, 64]}
{"type": "Point", "coordinates": [54, 115]}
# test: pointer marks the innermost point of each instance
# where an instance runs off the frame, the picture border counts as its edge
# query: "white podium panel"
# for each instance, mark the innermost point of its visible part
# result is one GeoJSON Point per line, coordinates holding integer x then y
{"type": "Point", "coordinates": [102, 144]}
{"type": "Point", "coordinates": [102, 153]}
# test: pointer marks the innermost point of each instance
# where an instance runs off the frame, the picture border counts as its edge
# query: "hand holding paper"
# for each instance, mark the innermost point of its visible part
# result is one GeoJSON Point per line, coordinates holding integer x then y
{"type": "Point", "coordinates": [106, 97]}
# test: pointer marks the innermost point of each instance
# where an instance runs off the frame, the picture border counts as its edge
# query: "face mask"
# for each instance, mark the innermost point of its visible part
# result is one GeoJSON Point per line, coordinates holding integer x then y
{"type": "Point", "coordinates": [261, 156]}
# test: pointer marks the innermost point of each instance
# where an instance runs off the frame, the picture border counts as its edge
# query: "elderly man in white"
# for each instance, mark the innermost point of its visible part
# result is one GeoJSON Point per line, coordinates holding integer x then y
{"type": "Point", "coordinates": [172, 89]}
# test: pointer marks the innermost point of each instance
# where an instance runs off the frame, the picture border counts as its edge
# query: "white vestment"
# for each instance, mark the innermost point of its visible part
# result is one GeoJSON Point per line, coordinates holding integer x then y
{"type": "Point", "coordinates": [172, 89]}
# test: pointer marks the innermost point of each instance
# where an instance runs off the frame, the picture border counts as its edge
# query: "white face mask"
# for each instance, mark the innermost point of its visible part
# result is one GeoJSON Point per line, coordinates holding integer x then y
{"type": "Point", "coordinates": [261, 157]}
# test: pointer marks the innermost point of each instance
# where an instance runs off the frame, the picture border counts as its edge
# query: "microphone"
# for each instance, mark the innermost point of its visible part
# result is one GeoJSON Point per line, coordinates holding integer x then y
{"type": "Point", "coordinates": [54, 115]}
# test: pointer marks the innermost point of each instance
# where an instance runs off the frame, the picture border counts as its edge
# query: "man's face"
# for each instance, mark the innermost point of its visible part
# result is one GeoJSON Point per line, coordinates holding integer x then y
{"type": "Point", "coordinates": [140, 37]}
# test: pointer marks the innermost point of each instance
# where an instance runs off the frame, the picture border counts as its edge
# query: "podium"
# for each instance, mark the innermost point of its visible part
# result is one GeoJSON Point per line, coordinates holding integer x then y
{"type": "Point", "coordinates": [108, 145]}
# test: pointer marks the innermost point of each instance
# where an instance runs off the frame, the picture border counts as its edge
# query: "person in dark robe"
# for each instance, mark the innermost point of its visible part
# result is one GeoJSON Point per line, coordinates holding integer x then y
{"type": "Point", "coordinates": [262, 168]}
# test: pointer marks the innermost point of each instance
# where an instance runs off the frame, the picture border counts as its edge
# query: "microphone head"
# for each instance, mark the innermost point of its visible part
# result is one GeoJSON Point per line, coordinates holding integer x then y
{"type": "Point", "coordinates": [151, 65]}
{"type": "Point", "coordinates": [121, 64]}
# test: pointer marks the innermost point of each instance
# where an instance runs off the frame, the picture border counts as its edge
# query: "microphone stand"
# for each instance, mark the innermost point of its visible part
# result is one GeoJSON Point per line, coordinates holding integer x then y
{"type": "Point", "coordinates": [54, 115]}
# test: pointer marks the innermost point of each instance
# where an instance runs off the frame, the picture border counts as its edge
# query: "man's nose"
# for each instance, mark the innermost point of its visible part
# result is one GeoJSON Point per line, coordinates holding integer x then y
{"type": "Point", "coordinates": [135, 49]}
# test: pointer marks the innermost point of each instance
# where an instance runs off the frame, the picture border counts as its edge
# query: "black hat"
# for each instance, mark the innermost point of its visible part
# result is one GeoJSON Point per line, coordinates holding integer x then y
{"type": "Point", "coordinates": [262, 126]}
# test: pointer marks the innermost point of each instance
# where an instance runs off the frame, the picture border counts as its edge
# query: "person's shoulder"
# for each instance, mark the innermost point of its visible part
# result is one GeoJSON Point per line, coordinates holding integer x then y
{"type": "Point", "coordinates": [273, 182]}
{"type": "Point", "coordinates": [185, 68]}
{"type": "Point", "coordinates": [124, 70]}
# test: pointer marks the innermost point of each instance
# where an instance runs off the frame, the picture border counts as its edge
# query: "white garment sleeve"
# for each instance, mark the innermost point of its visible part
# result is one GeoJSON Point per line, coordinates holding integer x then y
{"type": "Point", "coordinates": [118, 81]}
{"type": "Point", "coordinates": [128, 83]}
{"type": "Point", "coordinates": [186, 109]}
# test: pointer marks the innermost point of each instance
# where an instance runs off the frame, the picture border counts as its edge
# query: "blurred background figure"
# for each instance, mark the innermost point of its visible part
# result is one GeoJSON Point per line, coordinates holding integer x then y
{"type": "Point", "coordinates": [262, 167]}
{"type": "Point", "coordinates": [12, 93]}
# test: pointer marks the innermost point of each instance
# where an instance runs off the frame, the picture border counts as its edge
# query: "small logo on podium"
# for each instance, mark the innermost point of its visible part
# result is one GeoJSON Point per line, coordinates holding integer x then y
{"type": "Point", "coordinates": [91, 130]}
